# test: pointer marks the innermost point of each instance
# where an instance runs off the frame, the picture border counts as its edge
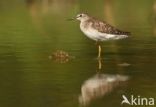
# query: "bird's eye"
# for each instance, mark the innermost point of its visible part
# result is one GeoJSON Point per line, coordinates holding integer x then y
{"type": "Point", "coordinates": [80, 15]}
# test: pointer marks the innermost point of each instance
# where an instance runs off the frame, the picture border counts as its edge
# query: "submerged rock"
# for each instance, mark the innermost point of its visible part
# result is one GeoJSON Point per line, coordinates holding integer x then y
{"type": "Point", "coordinates": [60, 56]}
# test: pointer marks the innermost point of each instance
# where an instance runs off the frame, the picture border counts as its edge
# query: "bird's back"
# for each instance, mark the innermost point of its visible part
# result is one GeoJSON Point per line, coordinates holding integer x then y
{"type": "Point", "coordinates": [104, 27]}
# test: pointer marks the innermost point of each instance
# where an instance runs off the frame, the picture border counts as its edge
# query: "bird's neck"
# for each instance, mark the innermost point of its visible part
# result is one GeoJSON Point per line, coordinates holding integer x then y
{"type": "Point", "coordinates": [85, 19]}
{"type": "Point", "coordinates": [84, 24]}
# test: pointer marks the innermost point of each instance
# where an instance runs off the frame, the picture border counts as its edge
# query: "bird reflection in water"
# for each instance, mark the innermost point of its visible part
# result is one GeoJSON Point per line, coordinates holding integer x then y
{"type": "Point", "coordinates": [99, 85]}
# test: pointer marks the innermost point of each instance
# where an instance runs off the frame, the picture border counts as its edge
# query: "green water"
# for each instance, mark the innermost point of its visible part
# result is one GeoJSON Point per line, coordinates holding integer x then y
{"type": "Point", "coordinates": [31, 30]}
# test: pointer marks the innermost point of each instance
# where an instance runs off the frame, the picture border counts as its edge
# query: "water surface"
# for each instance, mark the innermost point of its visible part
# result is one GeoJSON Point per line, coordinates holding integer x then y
{"type": "Point", "coordinates": [31, 30]}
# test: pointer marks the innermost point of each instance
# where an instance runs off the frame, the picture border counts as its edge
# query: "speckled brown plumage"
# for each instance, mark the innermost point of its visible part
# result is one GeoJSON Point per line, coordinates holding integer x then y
{"type": "Point", "coordinates": [104, 27]}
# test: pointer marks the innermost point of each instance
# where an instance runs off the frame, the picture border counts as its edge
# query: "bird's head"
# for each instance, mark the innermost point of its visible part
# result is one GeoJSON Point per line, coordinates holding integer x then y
{"type": "Point", "coordinates": [81, 17]}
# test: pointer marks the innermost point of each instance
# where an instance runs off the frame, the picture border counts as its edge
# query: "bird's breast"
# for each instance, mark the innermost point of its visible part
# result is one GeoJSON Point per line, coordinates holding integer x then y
{"type": "Point", "coordinates": [88, 31]}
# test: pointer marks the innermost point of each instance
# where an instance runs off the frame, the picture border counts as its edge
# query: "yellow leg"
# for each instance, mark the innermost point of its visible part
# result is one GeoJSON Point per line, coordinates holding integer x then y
{"type": "Point", "coordinates": [99, 64]}
{"type": "Point", "coordinates": [99, 51]}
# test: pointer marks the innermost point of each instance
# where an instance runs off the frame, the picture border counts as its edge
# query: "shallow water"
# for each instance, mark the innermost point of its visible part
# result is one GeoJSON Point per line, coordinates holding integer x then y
{"type": "Point", "coordinates": [30, 31]}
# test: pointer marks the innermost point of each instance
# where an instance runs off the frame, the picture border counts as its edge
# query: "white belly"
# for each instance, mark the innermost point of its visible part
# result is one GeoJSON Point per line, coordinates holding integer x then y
{"type": "Point", "coordinates": [98, 36]}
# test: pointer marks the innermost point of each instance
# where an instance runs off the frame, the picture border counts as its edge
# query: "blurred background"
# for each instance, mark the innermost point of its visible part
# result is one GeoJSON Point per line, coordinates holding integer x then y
{"type": "Point", "coordinates": [32, 30]}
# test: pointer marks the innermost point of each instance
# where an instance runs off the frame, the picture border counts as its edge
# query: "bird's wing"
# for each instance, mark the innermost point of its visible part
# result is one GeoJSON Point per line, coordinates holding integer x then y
{"type": "Point", "coordinates": [104, 27]}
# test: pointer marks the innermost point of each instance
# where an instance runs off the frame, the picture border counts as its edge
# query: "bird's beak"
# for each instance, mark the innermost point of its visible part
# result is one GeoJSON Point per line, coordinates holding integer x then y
{"type": "Point", "coordinates": [71, 19]}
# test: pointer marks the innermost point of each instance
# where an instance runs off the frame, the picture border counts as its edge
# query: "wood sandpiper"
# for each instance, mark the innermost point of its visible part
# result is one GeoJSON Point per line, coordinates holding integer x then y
{"type": "Point", "coordinates": [99, 30]}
